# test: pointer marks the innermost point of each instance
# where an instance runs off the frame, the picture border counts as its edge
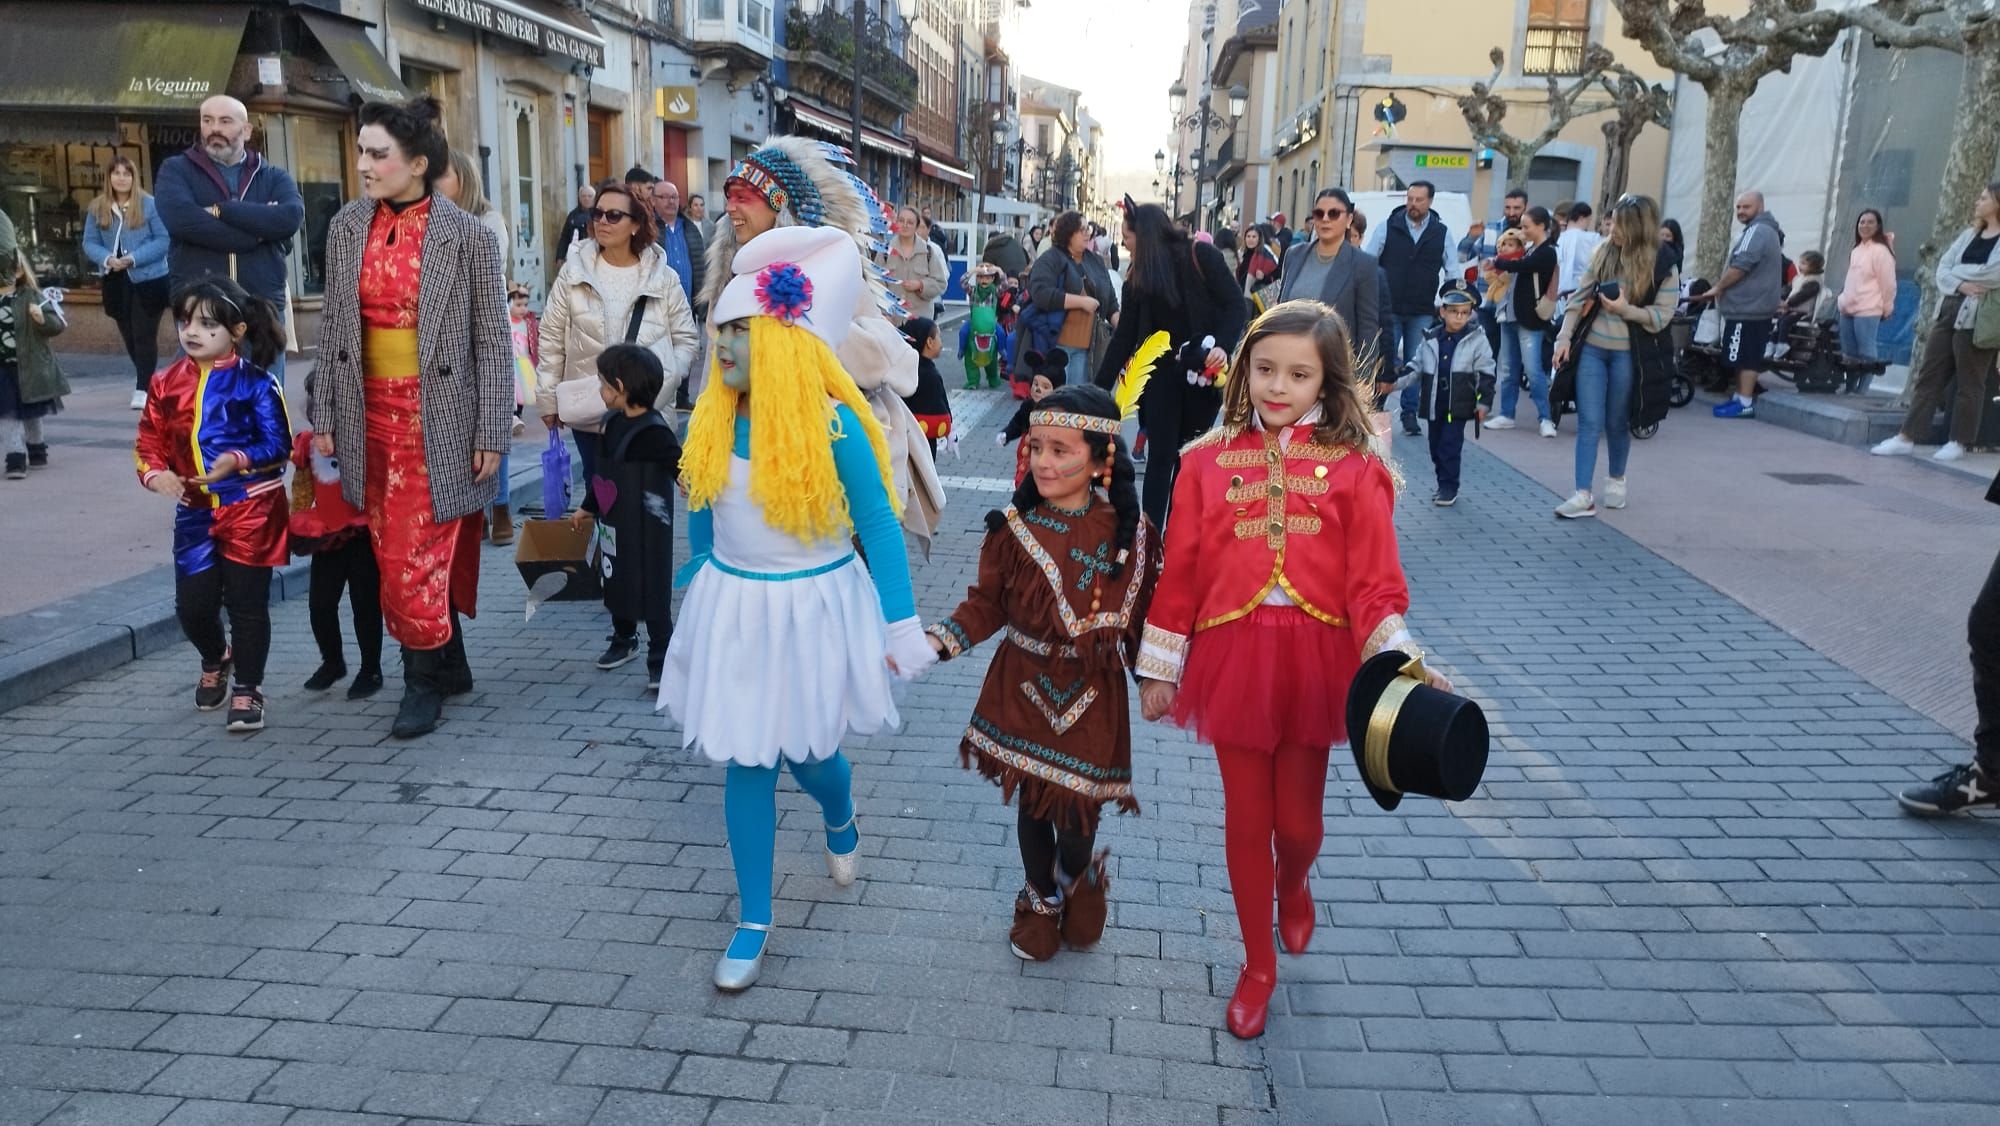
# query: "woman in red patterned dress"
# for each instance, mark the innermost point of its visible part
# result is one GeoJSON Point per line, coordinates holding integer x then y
{"type": "Point", "coordinates": [413, 391]}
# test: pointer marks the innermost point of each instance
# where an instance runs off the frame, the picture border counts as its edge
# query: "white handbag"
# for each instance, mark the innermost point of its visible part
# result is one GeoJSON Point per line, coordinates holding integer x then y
{"type": "Point", "coordinates": [578, 403]}
{"type": "Point", "coordinates": [1708, 326]}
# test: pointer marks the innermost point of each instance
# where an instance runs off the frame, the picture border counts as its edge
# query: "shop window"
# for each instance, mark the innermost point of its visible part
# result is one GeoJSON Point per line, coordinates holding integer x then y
{"type": "Point", "coordinates": [46, 188]}
{"type": "Point", "coordinates": [1558, 31]}
{"type": "Point", "coordinates": [318, 163]}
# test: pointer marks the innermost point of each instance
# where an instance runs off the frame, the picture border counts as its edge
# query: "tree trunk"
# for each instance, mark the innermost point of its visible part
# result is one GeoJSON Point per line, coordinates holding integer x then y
{"type": "Point", "coordinates": [1718, 175]}
{"type": "Point", "coordinates": [1617, 163]}
{"type": "Point", "coordinates": [1520, 161]}
{"type": "Point", "coordinates": [1968, 166]}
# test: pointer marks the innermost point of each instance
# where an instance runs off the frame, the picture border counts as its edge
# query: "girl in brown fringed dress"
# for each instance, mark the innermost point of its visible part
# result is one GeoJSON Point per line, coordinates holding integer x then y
{"type": "Point", "coordinates": [1065, 573]}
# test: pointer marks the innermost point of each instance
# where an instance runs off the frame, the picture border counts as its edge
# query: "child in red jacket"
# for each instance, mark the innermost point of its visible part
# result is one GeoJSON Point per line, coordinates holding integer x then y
{"type": "Point", "coordinates": [335, 534]}
{"type": "Point", "coordinates": [1281, 578]}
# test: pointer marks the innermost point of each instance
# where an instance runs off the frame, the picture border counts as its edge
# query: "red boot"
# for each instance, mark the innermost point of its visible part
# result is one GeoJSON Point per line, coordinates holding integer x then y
{"type": "Point", "coordinates": [1296, 915]}
{"type": "Point", "coordinates": [1249, 1005]}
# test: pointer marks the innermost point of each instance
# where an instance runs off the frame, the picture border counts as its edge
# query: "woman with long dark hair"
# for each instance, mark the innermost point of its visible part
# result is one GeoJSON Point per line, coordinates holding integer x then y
{"type": "Point", "coordinates": [1869, 294]}
{"type": "Point", "coordinates": [1331, 272]}
{"type": "Point", "coordinates": [414, 390]}
{"type": "Point", "coordinates": [1967, 273]}
{"type": "Point", "coordinates": [1184, 289]}
{"type": "Point", "coordinates": [1257, 264]}
{"type": "Point", "coordinates": [127, 243]}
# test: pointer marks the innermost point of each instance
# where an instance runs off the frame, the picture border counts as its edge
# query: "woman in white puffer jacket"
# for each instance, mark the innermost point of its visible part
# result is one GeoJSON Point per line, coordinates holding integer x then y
{"type": "Point", "coordinates": [590, 309]}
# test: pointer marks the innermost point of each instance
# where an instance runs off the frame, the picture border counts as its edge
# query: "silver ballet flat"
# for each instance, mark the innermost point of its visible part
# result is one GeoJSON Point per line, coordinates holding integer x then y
{"type": "Point", "coordinates": [734, 975]}
{"type": "Point", "coordinates": [844, 866]}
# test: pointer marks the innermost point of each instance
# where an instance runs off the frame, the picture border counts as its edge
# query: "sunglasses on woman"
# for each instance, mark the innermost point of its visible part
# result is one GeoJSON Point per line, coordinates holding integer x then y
{"type": "Point", "coordinates": [1328, 215]}
{"type": "Point", "coordinates": [600, 215]}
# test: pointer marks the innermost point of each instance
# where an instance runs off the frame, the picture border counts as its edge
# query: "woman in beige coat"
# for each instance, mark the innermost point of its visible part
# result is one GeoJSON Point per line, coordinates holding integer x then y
{"type": "Point", "coordinates": [591, 308]}
{"type": "Point", "coordinates": [918, 272]}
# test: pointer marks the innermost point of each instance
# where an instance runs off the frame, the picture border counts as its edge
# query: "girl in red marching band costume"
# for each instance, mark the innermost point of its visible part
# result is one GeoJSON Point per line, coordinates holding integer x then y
{"type": "Point", "coordinates": [1281, 578]}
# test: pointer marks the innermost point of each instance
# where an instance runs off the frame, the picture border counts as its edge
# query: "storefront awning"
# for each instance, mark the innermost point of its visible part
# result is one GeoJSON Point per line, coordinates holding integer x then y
{"type": "Point", "coordinates": [939, 170]}
{"type": "Point", "coordinates": [129, 56]}
{"type": "Point", "coordinates": [813, 117]}
{"type": "Point", "coordinates": [540, 24]}
{"type": "Point", "coordinates": [367, 71]}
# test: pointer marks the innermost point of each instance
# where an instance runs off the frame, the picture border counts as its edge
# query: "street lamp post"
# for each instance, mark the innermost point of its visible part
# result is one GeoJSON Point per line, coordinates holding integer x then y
{"type": "Point", "coordinates": [1203, 118]}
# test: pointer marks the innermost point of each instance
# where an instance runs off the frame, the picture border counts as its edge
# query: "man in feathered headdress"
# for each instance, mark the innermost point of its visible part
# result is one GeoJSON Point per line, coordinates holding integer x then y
{"type": "Point", "coordinates": [795, 181]}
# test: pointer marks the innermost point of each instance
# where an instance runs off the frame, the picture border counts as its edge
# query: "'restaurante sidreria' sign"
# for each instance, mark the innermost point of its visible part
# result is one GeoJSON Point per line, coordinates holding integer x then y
{"type": "Point", "coordinates": [519, 23]}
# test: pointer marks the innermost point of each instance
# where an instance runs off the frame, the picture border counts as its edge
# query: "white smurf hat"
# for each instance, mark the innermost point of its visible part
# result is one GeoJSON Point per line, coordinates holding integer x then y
{"type": "Point", "coordinates": [804, 276]}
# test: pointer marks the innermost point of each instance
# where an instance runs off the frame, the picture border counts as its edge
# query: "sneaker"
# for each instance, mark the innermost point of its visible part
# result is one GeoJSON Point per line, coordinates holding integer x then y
{"type": "Point", "coordinates": [213, 686]}
{"type": "Point", "coordinates": [1548, 428]}
{"type": "Point", "coordinates": [38, 456]}
{"type": "Point", "coordinates": [1578, 505]}
{"type": "Point", "coordinates": [1892, 445]}
{"type": "Point", "coordinates": [1445, 499]}
{"type": "Point", "coordinates": [652, 679]}
{"type": "Point", "coordinates": [1963, 787]}
{"type": "Point", "coordinates": [1037, 931]}
{"type": "Point", "coordinates": [246, 710]}
{"type": "Point", "coordinates": [1614, 492]}
{"type": "Point", "coordinates": [138, 400]}
{"type": "Point", "coordinates": [519, 426]}
{"type": "Point", "coordinates": [17, 466]}
{"type": "Point", "coordinates": [1950, 451]}
{"type": "Point", "coordinates": [1734, 408]}
{"type": "Point", "coordinates": [1412, 430]}
{"type": "Point", "coordinates": [1499, 422]}
{"type": "Point", "coordinates": [622, 650]}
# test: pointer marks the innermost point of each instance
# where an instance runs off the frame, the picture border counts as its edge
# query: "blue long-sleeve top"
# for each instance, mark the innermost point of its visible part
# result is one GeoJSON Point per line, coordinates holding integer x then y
{"type": "Point", "coordinates": [875, 522]}
{"type": "Point", "coordinates": [146, 243]}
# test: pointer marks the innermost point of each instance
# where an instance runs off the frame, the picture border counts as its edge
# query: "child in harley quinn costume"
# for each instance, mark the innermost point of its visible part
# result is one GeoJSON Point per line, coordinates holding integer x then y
{"type": "Point", "coordinates": [1066, 570]}
{"type": "Point", "coordinates": [787, 641]}
{"type": "Point", "coordinates": [214, 439]}
{"type": "Point", "coordinates": [1281, 578]}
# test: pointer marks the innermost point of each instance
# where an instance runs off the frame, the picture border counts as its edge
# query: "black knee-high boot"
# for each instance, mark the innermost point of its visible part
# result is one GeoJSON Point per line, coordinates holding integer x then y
{"type": "Point", "coordinates": [423, 701]}
{"type": "Point", "coordinates": [454, 671]}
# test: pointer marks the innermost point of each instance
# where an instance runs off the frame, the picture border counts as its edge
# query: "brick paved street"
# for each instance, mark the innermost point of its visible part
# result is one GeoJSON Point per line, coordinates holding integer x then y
{"type": "Point", "coordinates": [1683, 896]}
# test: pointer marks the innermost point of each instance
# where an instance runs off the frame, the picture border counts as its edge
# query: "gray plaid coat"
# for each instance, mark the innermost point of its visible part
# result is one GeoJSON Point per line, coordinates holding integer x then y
{"type": "Point", "coordinates": [464, 356]}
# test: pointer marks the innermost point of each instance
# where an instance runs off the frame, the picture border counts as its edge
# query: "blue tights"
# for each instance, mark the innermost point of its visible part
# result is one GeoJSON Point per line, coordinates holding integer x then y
{"type": "Point", "coordinates": [750, 810]}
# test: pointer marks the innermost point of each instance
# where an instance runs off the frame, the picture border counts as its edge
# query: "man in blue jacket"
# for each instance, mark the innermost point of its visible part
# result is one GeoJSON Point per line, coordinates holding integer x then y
{"type": "Point", "coordinates": [1411, 247]}
{"type": "Point", "coordinates": [228, 210]}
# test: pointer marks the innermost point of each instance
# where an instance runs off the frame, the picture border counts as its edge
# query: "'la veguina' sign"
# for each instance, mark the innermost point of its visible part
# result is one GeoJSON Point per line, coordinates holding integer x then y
{"type": "Point", "coordinates": [550, 37]}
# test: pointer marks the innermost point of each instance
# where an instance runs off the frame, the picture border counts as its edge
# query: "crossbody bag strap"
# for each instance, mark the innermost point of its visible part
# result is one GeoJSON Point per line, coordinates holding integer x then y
{"type": "Point", "coordinates": [638, 317]}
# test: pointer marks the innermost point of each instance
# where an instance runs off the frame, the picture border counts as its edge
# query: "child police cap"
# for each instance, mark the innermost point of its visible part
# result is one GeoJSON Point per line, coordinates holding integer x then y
{"type": "Point", "coordinates": [1456, 292]}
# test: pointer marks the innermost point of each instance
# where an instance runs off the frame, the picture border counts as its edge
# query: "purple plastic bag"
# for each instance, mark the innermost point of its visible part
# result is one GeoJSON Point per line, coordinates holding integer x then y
{"type": "Point", "coordinates": [555, 477]}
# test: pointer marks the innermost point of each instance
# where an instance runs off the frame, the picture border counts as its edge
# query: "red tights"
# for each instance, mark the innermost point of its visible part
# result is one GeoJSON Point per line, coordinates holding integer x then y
{"type": "Point", "coordinates": [1271, 801]}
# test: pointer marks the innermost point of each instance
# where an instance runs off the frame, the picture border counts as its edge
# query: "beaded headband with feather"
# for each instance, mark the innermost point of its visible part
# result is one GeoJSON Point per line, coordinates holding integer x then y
{"type": "Point", "coordinates": [1074, 421]}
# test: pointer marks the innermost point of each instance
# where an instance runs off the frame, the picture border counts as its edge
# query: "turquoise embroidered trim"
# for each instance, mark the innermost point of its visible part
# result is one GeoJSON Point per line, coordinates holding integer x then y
{"type": "Point", "coordinates": [987, 728]}
{"type": "Point", "coordinates": [1092, 564]}
{"type": "Point", "coordinates": [1061, 511]}
{"type": "Point", "coordinates": [781, 576]}
{"type": "Point", "coordinates": [958, 633]}
{"type": "Point", "coordinates": [1035, 517]}
{"type": "Point", "coordinates": [1057, 697]}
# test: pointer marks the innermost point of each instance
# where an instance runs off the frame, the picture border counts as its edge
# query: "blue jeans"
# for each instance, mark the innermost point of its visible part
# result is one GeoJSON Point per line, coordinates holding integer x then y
{"type": "Point", "coordinates": [1077, 369]}
{"type": "Point", "coordinates": [1603, 409]}
{"type": "Point", "coordinates": [505, 498]}
{"type": "Point", "coordinates": [1524, 354]}
{"type": "Point", "coordinates": [1857, 336]}
{"type": "Point", "coordinates": [1407, 335]}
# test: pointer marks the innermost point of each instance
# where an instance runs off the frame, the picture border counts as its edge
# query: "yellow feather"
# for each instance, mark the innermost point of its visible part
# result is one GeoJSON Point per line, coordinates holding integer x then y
{"type": "Point", "coordinates": [1138, 370]}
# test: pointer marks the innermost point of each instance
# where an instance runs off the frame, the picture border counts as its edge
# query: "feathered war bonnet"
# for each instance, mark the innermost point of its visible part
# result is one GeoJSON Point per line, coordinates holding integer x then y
{"type": "Point", "coordinates": [811, 184]}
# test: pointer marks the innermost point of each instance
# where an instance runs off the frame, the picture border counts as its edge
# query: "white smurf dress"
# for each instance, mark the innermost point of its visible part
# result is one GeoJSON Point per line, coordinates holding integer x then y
{"type": "Point", "coordinates": [782, 646]}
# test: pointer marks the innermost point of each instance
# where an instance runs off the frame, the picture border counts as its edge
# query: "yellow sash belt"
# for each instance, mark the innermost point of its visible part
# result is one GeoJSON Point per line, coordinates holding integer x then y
{"type": "Point", "coordinates": [388, 353]}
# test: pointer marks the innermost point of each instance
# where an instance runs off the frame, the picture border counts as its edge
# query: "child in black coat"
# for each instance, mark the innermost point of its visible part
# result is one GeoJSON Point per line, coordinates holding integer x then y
{"type": "Point", "coordinates": [929, 404]}
{"type": "Point", "coordinates": [632, 495]}
{"type": "Point", "coordinates": [1049, 373]}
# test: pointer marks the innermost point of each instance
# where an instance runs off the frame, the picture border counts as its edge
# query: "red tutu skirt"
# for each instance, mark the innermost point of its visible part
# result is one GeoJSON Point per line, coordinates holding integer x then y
{"type": "Point", "coordinates": [1277, 678]}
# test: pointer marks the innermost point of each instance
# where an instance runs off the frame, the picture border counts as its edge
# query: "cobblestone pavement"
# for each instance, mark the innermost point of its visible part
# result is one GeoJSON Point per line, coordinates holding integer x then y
{"type": "Point", "coordinates": [1683, 896]}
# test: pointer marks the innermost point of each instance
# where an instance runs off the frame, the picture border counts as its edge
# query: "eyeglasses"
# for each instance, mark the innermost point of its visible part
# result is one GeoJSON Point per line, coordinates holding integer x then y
{"type": "Point", "coordinates": [599, 215]}
{"type": "Point", "coordinates": [1328, 215]}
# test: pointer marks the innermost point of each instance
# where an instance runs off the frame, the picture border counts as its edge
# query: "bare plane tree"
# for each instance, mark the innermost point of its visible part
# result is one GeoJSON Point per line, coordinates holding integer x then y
{"type": "Point", "coordinates": [1485, 110]}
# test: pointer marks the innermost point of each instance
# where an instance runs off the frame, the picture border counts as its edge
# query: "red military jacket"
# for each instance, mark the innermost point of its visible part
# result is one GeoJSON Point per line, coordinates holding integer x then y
{"type": "Point", "coordinates": [1251, 519]}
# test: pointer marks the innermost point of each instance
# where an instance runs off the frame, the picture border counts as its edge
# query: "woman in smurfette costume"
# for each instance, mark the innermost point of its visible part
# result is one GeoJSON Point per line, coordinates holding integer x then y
{"type": "Point", "coordinates": [787, 643]}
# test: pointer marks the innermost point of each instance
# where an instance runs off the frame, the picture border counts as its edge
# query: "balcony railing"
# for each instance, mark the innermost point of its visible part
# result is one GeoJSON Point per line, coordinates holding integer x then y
{"type": "Point", "coordinates": [830, 33]}
{"type": "Point", "coordinates": [1554, 49]}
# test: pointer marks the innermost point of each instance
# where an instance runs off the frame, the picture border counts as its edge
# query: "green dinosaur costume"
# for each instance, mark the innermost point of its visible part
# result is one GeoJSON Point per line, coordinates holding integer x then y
{"type": "Point", "coordinates": [982, 342]}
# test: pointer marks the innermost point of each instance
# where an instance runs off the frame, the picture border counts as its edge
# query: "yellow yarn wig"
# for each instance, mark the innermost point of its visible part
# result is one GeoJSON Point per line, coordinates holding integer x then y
{"type": "Point", "coordinates": [795, 383]}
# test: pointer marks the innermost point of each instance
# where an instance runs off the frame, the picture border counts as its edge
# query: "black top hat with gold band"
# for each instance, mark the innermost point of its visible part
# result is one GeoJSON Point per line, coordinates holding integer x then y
{"type": "Point", "coordinates": [1410, 738]}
